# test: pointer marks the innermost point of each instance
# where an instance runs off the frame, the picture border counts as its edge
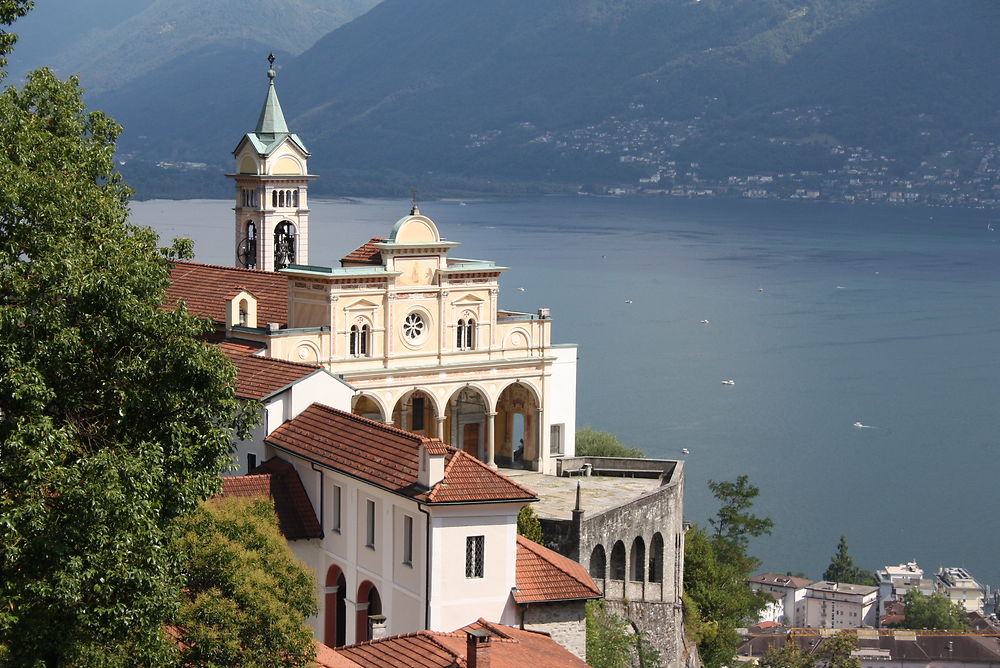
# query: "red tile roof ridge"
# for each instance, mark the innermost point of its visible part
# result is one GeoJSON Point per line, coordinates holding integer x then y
{"type": "Point", "coordinates": [373, 423]}
{"type": "Point", "coordinates": [495, 631]}
{"type": "Point", "coordinates": [435, 446]}
{"type": "Point", "coordinates": [432, 636]}
{"type": "Point", "coordinates": [237, 290]}
{"type": "Point", "coordinates": [458, 455]}
{"type": "Point", "coordinates": [253, 353]}
{"type": "Point", "coordinates": [182, 263]}
{"type": "Point", "coordinates": [562, 563]}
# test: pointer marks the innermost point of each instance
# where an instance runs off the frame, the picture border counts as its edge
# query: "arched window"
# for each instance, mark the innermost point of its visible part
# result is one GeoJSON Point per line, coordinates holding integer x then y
{"type": "Point", "coordinates": [637, 560]}
{"type": "Point", "coordinates": [295, 198]}
{"type": "Point", "coordinates": [466, 334]}
{"type": "Point", "coordinates": [470, 334]}
{"type": "Point", "coordinates": [598, 563]}
{"type": "Point", "coordinates": [618, 561]}
{"type": "Point", "coordinates": [359, 340]}
{"type": "Point", "coordinates": [656, 558]}
{"type": "Point", "coordinates": [244, 312]}
{"type": "Point", "coordinates": [274, 198]}
{"type": "Point", "coordinates": [284, 245]}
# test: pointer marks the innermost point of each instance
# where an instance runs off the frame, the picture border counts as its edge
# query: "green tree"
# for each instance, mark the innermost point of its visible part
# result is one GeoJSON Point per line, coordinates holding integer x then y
{"type": "Point", "coordinates": [10, 11]}
{"type": "Point", "coordinates": [593, 443]}
{"type": "Point", "coordinates": [717, 599]}
{"type": "Point", "coordinates": [116, 418]}
{"type": "Point", "coordinates": [246, 597]}
{"type": "Point", "coordinates": [529, 526]}
{"type": "Point", "coordinates": [843, 569]}
{"type": "Point", "coordinates": [836, 652]}
{"type": "Point", "coordinates": [936, 611]}
{"type": "Point", "coordinates": [734, 524]}
{"type": "Point", "coordinates": [613, 642]}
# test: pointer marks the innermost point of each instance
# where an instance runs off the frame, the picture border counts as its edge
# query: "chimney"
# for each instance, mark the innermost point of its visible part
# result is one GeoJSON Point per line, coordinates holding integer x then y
{"type": "Point", "coordinates": [477, 649]}
{"type": "Point", "coordinates": [432, 453]}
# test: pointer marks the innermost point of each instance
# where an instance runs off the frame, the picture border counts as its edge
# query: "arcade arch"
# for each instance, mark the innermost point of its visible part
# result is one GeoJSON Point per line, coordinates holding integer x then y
{"type": "Point", "coordinates": [335, 606]}
{"type": "Point", "coordinates": [598, 563]}
{"type": "Point", "coordinates": [468, 421]}
{"type": "Point", "coordinates": [618, 561]}
{"type": "Point", "coordinates": [369, 605]}
{"type": "Point", "coordinates": [637, 560]}
{"type": "Point", "coordinates": [416, 411]}
{"type": "Point", "coordinates": [368, 406]}
{"type": "Point", "coordinates": [517, 425]}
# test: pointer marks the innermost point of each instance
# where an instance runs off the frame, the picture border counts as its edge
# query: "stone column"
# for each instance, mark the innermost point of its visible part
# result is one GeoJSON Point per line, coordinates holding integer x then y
{"type": "Point", "coordinates": [490, 428]}
{"type": "Point", "coordinates": [440, 428]}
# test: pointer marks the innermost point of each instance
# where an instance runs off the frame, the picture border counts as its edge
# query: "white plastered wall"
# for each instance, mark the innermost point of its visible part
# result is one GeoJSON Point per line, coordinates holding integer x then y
{"type": "Point", "coordinates": [455, 599]}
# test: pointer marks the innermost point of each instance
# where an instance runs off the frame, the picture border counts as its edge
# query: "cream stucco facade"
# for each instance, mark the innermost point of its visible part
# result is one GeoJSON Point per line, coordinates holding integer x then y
{"type": "Point", "coordinates": [421, 336]}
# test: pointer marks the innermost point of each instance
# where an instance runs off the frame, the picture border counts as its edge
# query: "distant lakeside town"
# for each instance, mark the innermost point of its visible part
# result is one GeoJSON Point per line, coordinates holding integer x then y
{"type": "Point", "coordinates": [965, 174]}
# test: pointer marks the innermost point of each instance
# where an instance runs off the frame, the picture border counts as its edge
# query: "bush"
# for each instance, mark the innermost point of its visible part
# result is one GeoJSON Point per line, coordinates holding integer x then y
{"type": "Point", "coordinates": [593, 443]}
{"type": "Point", "coordinates": [528, 525]}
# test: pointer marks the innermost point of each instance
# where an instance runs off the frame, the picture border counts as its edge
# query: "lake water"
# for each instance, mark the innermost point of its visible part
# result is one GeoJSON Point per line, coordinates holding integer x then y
{"type": "Point", "coordinates": [822, 315]}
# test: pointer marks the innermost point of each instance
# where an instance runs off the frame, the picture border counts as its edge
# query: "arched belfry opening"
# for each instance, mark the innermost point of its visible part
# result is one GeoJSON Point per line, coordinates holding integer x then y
{"type": "Point", "coordinates": [284, 244]}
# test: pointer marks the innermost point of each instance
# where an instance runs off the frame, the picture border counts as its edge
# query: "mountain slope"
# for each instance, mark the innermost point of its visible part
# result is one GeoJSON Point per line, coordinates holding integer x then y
{"type": "Point", "coordinates": [562, 91]}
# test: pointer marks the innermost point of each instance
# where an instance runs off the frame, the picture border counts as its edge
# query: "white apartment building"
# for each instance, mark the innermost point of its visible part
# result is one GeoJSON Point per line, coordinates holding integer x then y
{"type": "Point", "coordinates": [959, 585]}
{"type": "Point", "coordinates": [838, 605]}
{"type": "Point", "coordinates": [787, 591]}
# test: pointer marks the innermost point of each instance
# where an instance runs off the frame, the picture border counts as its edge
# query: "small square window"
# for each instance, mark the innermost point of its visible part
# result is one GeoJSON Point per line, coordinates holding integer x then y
{"type": "Point", "coordinates": [474, 556]}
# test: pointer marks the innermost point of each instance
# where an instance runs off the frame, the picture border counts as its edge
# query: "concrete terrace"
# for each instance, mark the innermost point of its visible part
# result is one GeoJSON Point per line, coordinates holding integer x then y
{"type": "Point", "coordinates": [558, 494]}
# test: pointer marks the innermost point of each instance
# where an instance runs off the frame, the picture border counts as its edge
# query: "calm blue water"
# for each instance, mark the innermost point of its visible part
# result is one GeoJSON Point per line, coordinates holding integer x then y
{"type": "Point", "coordinates": [823, 315]}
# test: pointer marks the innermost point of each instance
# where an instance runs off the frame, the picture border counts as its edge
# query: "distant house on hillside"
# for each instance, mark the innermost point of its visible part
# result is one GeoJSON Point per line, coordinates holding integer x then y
{"type": "Point", "coordinates": [838, 605]}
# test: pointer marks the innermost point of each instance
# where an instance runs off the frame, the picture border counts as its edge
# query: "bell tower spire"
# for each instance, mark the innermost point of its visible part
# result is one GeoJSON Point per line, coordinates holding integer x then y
{"type": "Point", "coordinates": [272, 180]}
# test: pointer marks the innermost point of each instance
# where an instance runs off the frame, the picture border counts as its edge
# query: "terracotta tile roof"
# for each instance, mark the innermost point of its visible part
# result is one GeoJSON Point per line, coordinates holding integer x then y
{"type": "Point", "coordinates": [367, 254]}
{"type": "Point", "coordinates": [388, 458]}
{"type": "Point", "coordinates": [204, 287]}
{"type": "Point", "coordinates": [466, 479]}
{"type": "Point", "coordinates": [260, 377]}
{"type": "Point", "coordinates": [544, 575]}
{"type": "Point", "coordinates": [509, 648]}
{"type": "Point", "coordinates": [278, 480]}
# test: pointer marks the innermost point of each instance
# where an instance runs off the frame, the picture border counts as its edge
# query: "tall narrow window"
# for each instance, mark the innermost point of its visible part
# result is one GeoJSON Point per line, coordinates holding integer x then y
{"type": "Point", "coordinates": [251, 462]}
{"type": "Point", "coordinates": [295, 198]}
{"type": "Point", "coordinates": [407, 540]}
{"type": "Point", "coordinates": [460, 335]}
{"type": "Point", "coordinates": [274, 198]}
{"type": "Point", "coordinates": [556, 439]}
{"type": "Point", "coordinates": [336, 508]}
{"type": "Point", "coordinates": [281, 198]}
{"type": "Point", "coordinates": [365, 335]}
{"type": "Point", "coordinates": [474, 547]}
{"type": "Point", "coordinates": [370, 524]}
{"type": "Point", "coordinates": [418, 414]}
{"type": "Point", "coordinates": [355, 343]}
{"type": "Point", "coordinates": [470, 334]}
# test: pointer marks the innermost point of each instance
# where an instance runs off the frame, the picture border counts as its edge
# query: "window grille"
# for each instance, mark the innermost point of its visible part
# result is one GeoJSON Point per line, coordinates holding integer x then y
{"type": "Point", "coordinates": [474, 556]}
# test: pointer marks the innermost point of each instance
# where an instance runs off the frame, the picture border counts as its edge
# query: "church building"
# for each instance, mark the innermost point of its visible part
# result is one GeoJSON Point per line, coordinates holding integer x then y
{"type": "Point", "coordinates": [419, 334]}
{"type": "Point", "coordinates": [390, 389]}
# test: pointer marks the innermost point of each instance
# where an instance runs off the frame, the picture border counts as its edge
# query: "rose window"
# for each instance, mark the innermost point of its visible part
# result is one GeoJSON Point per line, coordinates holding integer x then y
{"type": "Point", "coordinates": [413, 326]}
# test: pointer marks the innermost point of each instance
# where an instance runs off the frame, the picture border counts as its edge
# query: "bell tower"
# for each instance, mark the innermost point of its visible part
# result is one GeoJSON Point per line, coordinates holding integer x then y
{"type": "Point", "coordinates": [272, 181]}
